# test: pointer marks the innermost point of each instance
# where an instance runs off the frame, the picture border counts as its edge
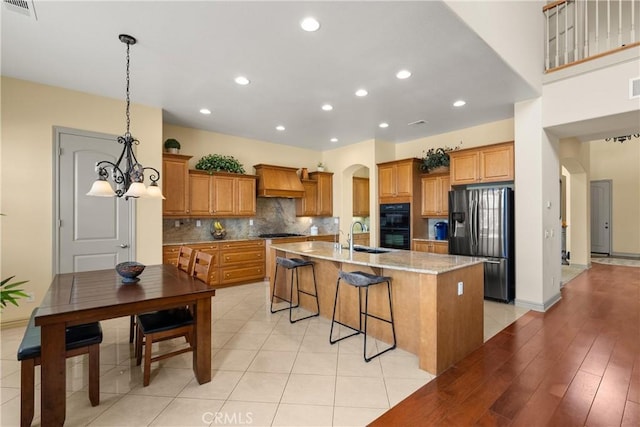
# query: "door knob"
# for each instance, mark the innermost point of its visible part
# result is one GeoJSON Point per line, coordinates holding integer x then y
{"type": "Point", "coordinates": [124, 245]}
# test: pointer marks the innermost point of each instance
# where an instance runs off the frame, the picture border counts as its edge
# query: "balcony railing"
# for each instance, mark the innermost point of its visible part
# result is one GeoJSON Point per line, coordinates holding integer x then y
{"type": "Point", "coordinates": [581, 30]}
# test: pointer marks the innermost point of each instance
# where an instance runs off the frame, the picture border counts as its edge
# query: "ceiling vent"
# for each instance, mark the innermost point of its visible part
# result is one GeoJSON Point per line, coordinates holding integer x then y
{"type": "Point", "coordinates": [23, 7]}
{"type": "Point", "coordinates": [634, 88]}
{"type": "Point", "coordinates": [417, 122]}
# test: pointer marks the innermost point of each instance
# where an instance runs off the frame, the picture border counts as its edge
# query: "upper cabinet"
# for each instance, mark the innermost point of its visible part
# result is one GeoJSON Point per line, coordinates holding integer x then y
{"type": "Point", "coordinates": [435, 195]}
{"type": "Point", "coordinates": [360, 196]}
{"type": "Point", "coordinates": [397, 180]}
{"type": "Point", "coordinates": [175, 184]}
{"type": "Point", "coordinates": [222, 194]}
{"type": "Point", "coordinates": [318, 195]}
{"type": "Point", "coordinates": [491, 163]}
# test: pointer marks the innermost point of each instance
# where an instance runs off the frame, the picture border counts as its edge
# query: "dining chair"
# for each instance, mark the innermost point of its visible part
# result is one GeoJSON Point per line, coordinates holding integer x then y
{"type": "Point", "coordinates": [169, 324]}
{"type": "Point", "coordinates": [186, 255]}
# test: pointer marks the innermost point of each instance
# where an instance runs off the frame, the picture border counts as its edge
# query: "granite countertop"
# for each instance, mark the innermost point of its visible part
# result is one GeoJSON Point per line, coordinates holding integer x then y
{"type": "Point", "coordinates": [397, 259]}
{"type": "Point", "coordinates": [237, 239]}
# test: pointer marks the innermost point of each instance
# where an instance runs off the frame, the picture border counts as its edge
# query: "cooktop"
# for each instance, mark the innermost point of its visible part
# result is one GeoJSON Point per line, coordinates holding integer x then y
{"type": "Point", "coordinates": [272, 235]}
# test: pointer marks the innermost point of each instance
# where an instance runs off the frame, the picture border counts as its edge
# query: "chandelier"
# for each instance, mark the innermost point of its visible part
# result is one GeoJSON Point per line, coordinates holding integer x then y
{"type": "Point", "coordinates": [126, 173]}
{"type": "Point", "coordinates": [622, 138]}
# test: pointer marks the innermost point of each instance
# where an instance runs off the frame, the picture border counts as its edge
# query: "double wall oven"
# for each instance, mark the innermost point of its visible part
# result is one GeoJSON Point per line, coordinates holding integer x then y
{"type": "Point", "coordinates": [395, 225]}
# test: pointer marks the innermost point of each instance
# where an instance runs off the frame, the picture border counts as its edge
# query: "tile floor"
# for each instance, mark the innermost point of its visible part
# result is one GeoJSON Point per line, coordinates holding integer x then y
{"type": "Point", "coordinates": [265, 372]}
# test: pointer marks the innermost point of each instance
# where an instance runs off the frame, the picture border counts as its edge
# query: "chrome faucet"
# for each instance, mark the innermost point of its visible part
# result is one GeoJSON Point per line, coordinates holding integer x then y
{"type": "Point", "coordinates": [351, 234]}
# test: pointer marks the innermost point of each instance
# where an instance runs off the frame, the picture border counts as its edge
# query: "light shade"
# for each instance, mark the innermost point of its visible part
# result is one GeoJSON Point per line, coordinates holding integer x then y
{"type": "Point", "coordinates": [153, 192]}
{"type": "Point", "coordinates": [101, 188]}
{"type": "Point", "coordinates": [136, 189]}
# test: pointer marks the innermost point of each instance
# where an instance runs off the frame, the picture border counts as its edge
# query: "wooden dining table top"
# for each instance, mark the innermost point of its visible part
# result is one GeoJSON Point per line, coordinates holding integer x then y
{"type": "Point", "coordinates": [97, 295]}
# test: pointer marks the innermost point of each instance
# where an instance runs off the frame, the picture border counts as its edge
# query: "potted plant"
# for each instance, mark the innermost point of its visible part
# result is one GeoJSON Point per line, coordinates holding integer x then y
{"type": "Point", "coordinates": [436, 159]}
{"type": "Point", "coordinates": [218, 163]}
{"type": "Point", "coordinates": [172, 146]}
{"type": "Point", "coordinates": [321, 166]}
{"type": "Point", "coordinates": [9, 293]}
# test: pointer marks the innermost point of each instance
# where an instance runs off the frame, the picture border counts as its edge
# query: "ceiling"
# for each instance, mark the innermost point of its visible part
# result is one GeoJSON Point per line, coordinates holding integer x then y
{"type": "Point", "coordinates": [188, 54]}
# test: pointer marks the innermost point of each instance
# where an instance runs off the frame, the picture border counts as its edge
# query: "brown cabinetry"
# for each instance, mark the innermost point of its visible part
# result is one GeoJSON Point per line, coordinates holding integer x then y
{"type": "Point", "coordinates": [222, 194]}
{"type": "Point", "coordinates": [175, 184]}
{"type": "Point", "coordinates": [397, 180]}
{"type": "Point", "coordinates": [242, 261]}
{"type": "Point", "coordinates": [492, 163]}
{"type": "Point", "coordinates": [318, 195]}
{"type": "Point", "coordinates": [437, 247]}
{"type": "Point", "coordinates": [435, 195]}
{"type": "Point", "coordinates": [361, 239]}
{"type": "Point", "coordinates": [360, 196]}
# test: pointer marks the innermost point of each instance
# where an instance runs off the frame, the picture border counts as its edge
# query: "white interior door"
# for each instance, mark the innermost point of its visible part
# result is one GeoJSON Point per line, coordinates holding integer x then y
{"type": "Point", "coordinates": [601, 217]}
{"type": "Point", "coordinates": [94, 233]}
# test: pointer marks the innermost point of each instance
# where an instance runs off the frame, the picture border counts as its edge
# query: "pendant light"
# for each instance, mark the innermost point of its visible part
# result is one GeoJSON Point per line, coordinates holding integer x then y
{"type": "Point", "coordinates": [127, 174]}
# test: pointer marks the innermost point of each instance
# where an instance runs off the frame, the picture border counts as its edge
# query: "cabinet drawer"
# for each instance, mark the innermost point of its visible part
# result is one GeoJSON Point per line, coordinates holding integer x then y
{"type": "Point", "coordinates": [251, 256]}
{"type": "Point", "coordinates": [241, 274]}
{"type": "Point", "coordinates": [243, 244]}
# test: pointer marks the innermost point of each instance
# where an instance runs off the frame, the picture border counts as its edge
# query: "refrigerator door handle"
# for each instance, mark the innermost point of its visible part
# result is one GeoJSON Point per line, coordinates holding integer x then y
{"type": "Point", "coordinates": [492, 262]}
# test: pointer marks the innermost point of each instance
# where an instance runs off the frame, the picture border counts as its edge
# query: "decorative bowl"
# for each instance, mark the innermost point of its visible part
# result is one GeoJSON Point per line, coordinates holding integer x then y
{"type": "Point", "coordinates": [130, 271]}
{"type": "Point", "coordinates": [219, 234]}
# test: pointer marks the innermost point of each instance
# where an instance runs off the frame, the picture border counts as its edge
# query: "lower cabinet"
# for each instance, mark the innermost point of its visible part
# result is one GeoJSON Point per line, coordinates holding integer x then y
{"type": "Point", "coordinates": [436, 247]}
{"type": "Point", "coordinates": [361, 239]}
{"type": "Point", "coordinates": [236, 262]}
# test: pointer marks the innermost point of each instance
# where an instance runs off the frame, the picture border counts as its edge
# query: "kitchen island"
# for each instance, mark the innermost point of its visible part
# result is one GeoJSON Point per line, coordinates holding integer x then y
{"type": "Point", "coordinates": [437, 299]}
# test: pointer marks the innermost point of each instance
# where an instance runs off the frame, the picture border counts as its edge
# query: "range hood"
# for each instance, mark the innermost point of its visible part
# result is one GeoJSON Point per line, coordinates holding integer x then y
{"type": "Point", "coordinates": [278, 181]}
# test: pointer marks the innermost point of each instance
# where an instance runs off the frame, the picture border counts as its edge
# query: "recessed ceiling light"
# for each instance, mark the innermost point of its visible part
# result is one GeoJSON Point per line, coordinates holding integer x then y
{"type": "Point", "coordinates": [310, 24]}
{"type": "Point", "coordinates": [242, 80]}
{"type": "Point", "coordinates": [280, 127]}
{"type": "Point", "coordinates": [327, 107]}
{"type": "Point", "coordinates": [334, 140]}
{"type": "Point", "coordinates": [205, 111]}
{"type": "Point", "coordinates": [403, 74]}
{"type": "Point", "coordinates": [383, 125]}
{"type": "Point", "coordinates": [459, 103]}
{"type": "Point", "coordinates": [362, 92]}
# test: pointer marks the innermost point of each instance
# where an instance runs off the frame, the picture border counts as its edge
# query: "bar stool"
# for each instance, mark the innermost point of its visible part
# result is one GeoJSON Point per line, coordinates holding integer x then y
{"type": "Point", "coordinates": [360, 279]}
{"type": "Point", "coordinates": [294, 264]}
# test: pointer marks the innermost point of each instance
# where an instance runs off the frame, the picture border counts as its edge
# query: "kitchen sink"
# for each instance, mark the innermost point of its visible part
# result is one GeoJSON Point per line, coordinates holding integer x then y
{"type": "Point", "coordinates": [369, 250]}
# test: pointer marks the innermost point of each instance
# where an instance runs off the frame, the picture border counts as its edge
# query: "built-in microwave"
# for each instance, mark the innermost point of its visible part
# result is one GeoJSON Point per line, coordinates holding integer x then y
{"type": "Point", "coordinates": [395, 225]}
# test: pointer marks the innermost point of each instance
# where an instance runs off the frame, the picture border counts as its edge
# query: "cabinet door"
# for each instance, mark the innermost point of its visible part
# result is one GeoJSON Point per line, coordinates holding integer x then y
{"type": "Point", "coordinates": [199, 194]}
{"type": "Point", "coordinates": [170, 254]}
{"type": "Point", "coordinates": [496, 164]}
{"type": "Point", "coordinates": [175, 185]}
{"type": "Point", "coordinates": [464, 167]}
{"type": "Point", "coordinates": [360, 196]}
{"type": "Point", "coordinates": [325, 194]}
{"type": "Point", "coordinates": [223, 195]}
{"type": "Point", "coordinates": [444, 184]}
{"type": "Point", "coordinates": [440, 247]}
{"type": "Point", "coordinates": [308, 205]}
{"type": "Point", "coordinates": [246, 191]}
{"type": "Point", "coordinates": [430, 196]}
{"type": "Point", "coordinates": [422, 246]}
{"type": "Point", "coordinates": [404, 179]}
{"type": "Point", "coordinates": [386, 181]}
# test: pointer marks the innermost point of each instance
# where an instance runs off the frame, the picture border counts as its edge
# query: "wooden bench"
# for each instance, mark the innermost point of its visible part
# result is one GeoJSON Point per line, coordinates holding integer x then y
{"type": "Point", "coordinates": [81, 339]}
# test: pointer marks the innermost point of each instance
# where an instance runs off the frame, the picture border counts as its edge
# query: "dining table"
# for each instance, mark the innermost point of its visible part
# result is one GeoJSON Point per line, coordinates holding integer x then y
{"type": "Point", "coordinates": [83, 297]}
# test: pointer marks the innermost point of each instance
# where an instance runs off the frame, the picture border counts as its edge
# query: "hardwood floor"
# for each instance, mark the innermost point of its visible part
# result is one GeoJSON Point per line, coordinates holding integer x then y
{"type": "Point", "coordinates": [577, 364]}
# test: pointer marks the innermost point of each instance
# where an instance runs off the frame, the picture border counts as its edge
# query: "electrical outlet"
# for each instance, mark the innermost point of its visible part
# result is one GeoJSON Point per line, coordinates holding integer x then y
{"type": "Point", "coordinates": [250, 222]}
{"type": "Point", "coordinates": [176, 224]}
{"type": "Point", "coordinates": [460, 288]}
{"type": "Point", "coordinates": [31, 297]}
{"type": "Point", "coordinates": [198, 223]}
{"type": "Point", "coordinates": [336, 220]}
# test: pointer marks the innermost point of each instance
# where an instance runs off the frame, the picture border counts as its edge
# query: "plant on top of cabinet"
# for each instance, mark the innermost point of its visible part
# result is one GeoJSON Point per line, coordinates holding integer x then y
{"type": "Point", "coordinates": [436, 158]}
{"type": "Point", "coordinates": [172, 146]}
{"type": "Point", "coordinates": [219, 163]}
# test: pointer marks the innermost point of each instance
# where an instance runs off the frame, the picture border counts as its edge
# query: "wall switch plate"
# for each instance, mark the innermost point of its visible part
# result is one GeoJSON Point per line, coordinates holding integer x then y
{"type": "Point", "coordinates": [176, 224]}
{"type": "Point", "coordinates": [31, 297]}
{"type": "Point", "coordinates": [198, 223]}
{"type": "Point", "coordinates": [336, 220]}
{"type": "Point", "coordinates": [460, 288]}
{"type": "Point", "coordinates": [250, 222]}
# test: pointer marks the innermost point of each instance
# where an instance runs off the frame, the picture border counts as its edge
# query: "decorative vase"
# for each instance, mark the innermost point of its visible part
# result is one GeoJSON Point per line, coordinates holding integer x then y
{"type": "Point", "coordinates": [320, 168]}
{"type": "Point", "coordinates": [173, 150]}
{"type": "Point", "coordinates": [304, 173]}
{"type": "Point", "coordinates": [440, 169]}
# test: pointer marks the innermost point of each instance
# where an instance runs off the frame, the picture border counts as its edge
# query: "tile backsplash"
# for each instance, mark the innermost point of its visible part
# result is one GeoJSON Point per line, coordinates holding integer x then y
{"type": "Point", "coordinates": [273, 215]}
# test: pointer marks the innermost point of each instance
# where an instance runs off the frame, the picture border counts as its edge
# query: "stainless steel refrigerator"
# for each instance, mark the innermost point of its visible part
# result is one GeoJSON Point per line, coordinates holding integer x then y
{"type": "Point", "coordinates": [481, 223]}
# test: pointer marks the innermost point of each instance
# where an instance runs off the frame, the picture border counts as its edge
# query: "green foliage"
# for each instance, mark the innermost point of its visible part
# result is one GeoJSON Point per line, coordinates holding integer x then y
{"type": "Point", "coordinates": [171, 143]}
{"type": "Point", "coordinates": [9, 293]}
{"type": "Point", "coordinates": [434, 158]}
{"type": "Point", "coordinates": [218, 163]}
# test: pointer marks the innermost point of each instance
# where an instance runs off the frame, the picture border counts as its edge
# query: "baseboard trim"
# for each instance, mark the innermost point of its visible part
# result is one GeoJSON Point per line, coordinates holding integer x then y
{"type": "Point", "coordinates": [625, 255]}
{"type": "Point", "coordinates": [537, 306]}
{"type": "Point", "coordinates": [14, 324]}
